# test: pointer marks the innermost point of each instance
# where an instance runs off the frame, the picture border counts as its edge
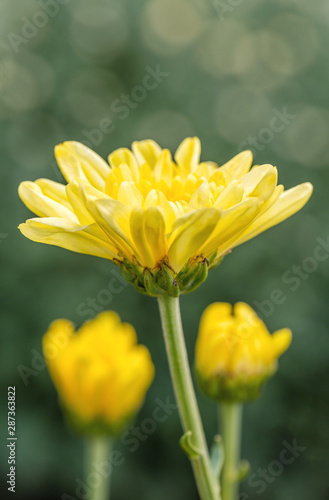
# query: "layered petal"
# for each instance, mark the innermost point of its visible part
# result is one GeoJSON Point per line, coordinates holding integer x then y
{"type": "Point", "coordinates": [124, 156]}
{"type": "Point", "coordinates": [139, 237]}
{"type": "Point", "coordinates": [188, 237]}
{"type": "Point", "coordinates": [230, 196]}
{"type": "Point", "coordinates": [281, 340]}
{"type": "Point", "coordinates": [54, 190]}
{"type": "Point", "coordinates": [163, 170]}
{"type": "Point", "coordinates": [188, 153]}
{"type": "Point", "coordinates": [147, 151]}
{"type": "Point", "coordinates": [42, 205]}
{"type": "Point", "coordinates": [114, 218]}
{"type": "Point", "coordinates": [238, 166]}
{"type": "Point", "coordinates": [69, 235]}
{"type": "Point", "coordinates": [154, 227]}
{"type": "Point", "coordinates": [128, 194]}
{"type": "Point", "coordinates": [288, 203]}
{"type": "Point", "coordinates": [76, 160]}
{"type": "Point", "coordinates": [232, 222]}
{"type": "Point", "coordinates": [260, 182]}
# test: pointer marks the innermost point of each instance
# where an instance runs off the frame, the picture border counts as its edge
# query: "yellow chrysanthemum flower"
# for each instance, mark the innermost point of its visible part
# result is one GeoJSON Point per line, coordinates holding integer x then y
{"type": "Point", "coordinates": [100, 372]}
{"type": "Point", "coordinates": [235, 353]}
{"type": "Point", "coordinates": [164, 222]}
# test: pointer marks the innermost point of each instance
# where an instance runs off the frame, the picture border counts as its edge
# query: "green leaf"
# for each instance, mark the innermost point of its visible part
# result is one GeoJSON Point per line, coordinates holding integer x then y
{"type": "Point", "coordinates": [217, 455]}
{"type": "Point", "coordinates": [186, 444]}
{"type": "Point", "coordinates": [243, 471]}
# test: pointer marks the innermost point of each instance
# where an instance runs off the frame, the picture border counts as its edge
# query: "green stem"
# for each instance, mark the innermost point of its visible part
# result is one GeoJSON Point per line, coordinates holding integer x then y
{"type": "Point", "coordinates": [231, 419]}
{"type": "Point", "coordinates": [185, 396]}
{"type": "Point", "coordinates": [98, 469]}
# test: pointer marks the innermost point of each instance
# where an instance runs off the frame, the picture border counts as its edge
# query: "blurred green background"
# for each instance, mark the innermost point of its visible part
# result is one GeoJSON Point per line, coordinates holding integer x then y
{"type": "Point", "coordinates": [228, 68]}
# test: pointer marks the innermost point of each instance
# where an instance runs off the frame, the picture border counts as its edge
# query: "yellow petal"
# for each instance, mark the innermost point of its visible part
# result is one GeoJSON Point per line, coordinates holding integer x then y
{"type": "Point", "coordinates": [188, 153]}
{"type": "Point", "coordinates": [76, 160]}
{"type": "Point", "coordinates": [113, 217]}
{"type": "Point", "coordinates": [154, 227]}
{"type": "Point", "coordinates": [230, 196]}
{"type": "Point", "coordinates": [246, 313]}
{"type": "Point", "coordinates": [139, 238]}
{"type": "Point", "coordinates": [272, 199]}
{"type": "Point", "coordinates": [147, 151]}
{"type": "Point", "coordinates": [231, 223]}
{"type": "Point", "coordinates": [54, 190]}
{"type": "Point", "coordinates": [287, 205]}
{"type": "Point", "coordinates": [163, 169]}
{"type": "Point", "coordinates": [80, 193]}
{"type": "Point", "coordinates": [54, 343]}
{"type": "Point", "coordinates": [124, 156]}
{"type": "Point", "coordinates": [169, 211]}
{"type": "Point", "coordinates": [102, 325]}
{"type": "Point", "coordinates": [122, 173]}
{"type": "Point", "coordinates": [207, 169]}
{"type": "Point", "coordinates": [73, 191]}
{"type": "Point", "coordinates": [219, 178]}
{"type": "Point", "coordinates": [260, 182]}
{"type": "Point", "coordinates": [214, 315]}
{"type": "Point", "coordinates": [202, 197]}
{"type": "Point", "coordinates": [57, 337]}
{"type": "Point", "coordinates": [69, 235]}
{"type": "Point", "coordinates": [213, 355]}
{"type": "Point", "coordinates": [243, 360]}
{"type": "Point", "coordinates": [32, 195]}
{"type": "Point", "coordinates": [151, 199]}
{"type": "Point", "coordinates": [189, 236]}
{"type": "Point", "coordinates": [238, 166]}
{"type": "Point", "coordinates": [219, 354]}
{"type": "Point", "coordinates": [281, 340]}
{"type": "Point", "coordinates": [129, 194]}
{"type": "Point", "coordinates": [88, 192]}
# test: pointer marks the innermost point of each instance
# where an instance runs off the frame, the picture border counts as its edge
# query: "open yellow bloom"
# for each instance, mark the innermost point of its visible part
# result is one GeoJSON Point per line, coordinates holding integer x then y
{"type": "Point", "coordinates": [145, 211]}
{"type": "Point", "coordinates": [100, 372]}
{"type": "Point", "coordinates": [235, 353]}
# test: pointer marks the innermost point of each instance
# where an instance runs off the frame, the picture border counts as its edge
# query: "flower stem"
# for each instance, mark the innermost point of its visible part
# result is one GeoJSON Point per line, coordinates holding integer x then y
{"type": "Point", "coordinates": [231, 419]}
{"type": "Point", "coordinates": [97, 477]}
{"type": "Point", "coordinates": [185, 396]}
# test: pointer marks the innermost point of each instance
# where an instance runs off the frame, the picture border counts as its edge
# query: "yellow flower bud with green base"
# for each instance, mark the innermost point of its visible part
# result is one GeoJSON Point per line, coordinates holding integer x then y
{"type": "Point", "coordinates": [101, 375]}
{"type": "Point", "coordinates": [235, 353]}
{"type": "Point", "coordinates": [100, 372]}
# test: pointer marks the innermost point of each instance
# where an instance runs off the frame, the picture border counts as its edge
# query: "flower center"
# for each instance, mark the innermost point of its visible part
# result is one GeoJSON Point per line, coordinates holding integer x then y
{"type": "Point", "coordinates": [166, 183]}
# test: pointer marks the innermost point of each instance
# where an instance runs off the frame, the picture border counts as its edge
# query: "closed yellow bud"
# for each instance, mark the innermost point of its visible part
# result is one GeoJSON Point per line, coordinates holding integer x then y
{"type": "Point", "coordinates": [235, 353]}
{"type": "Point", "coordinates": [100, 372]}
{"type": "Point", "coordinates": [164, 221]}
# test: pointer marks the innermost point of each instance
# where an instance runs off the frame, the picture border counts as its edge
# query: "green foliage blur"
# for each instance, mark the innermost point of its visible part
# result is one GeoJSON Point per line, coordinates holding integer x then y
{"type": "Point", "coordinates": [240, 75]}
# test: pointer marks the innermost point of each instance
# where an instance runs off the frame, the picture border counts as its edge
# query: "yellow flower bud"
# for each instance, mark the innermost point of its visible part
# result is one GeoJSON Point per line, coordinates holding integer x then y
{"type": "Point", "coordinates": [235, 353]}
{"type": "Point", "coordinates": [100, 372]}
{"type": "Point", "coordinates": [164, 221]}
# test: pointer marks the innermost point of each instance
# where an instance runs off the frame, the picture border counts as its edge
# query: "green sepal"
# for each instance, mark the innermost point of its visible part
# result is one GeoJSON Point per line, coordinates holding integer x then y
{"type": "Point", "coordinates": [194, 276]}
{"type": "Point", "coordinates": [97, 426]}
{"type": "Point", "coordinates": [230, 388]}
{"type": "Point", "coordinates": [151, 285]}
{"type": "Point", "coordinates": [162, 279]}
